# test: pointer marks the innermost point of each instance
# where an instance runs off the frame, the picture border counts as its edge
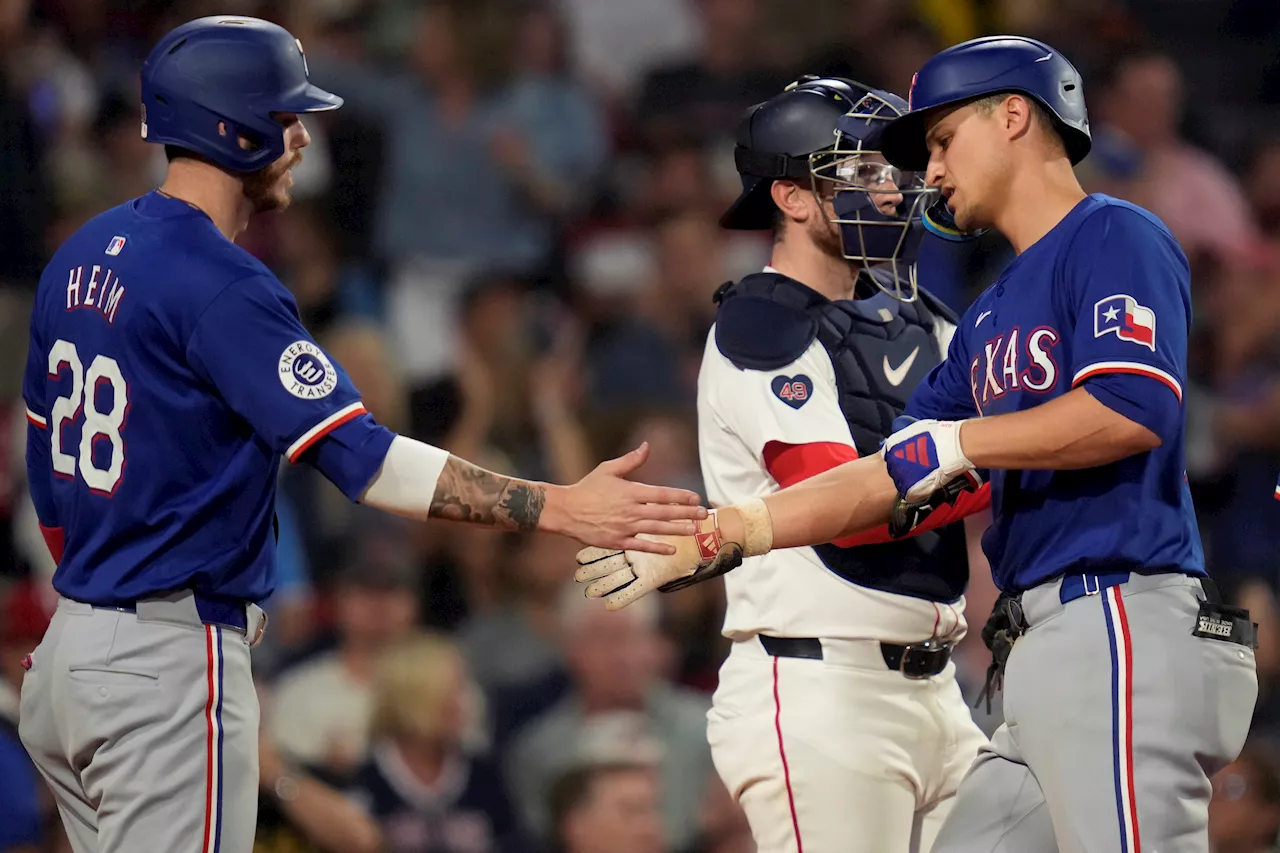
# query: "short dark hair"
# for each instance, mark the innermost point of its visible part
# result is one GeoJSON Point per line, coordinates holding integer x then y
{"type": "Point", "coordinates": [574, 788]}
{"type": "Point", "coordinates": [1040, 113]}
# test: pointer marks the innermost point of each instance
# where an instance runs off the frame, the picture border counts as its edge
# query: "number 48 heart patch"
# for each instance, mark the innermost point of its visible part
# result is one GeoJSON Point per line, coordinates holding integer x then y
{"type": "Point", "coordinates": [792, 390]}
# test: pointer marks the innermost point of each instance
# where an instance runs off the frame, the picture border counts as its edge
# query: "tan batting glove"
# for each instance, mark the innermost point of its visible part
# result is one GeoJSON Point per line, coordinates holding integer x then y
{"type": "Point", "coordinates": [722, 540]}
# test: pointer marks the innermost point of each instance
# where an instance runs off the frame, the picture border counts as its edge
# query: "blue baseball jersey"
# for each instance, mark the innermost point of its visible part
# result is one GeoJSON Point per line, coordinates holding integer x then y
{"type": "Point", "coordinates": [1102, 301]}
{"type": "Point", "coordinates": [167, 375]}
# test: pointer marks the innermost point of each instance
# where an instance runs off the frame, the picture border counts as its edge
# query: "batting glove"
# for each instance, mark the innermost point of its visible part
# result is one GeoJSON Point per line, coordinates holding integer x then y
{"type": "Point", "coordinates": [923, 456]}
{"type": "Point", "coordinates": [621, 577]}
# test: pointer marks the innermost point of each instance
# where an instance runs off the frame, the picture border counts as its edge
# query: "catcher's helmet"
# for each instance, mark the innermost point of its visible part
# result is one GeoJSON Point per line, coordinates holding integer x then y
{"type": "Point", "coordinates": [990, 66]}
{"type": "Point", "coordinates": [775, 139]}
{"type": "Point", "coordinates": [234, 70]}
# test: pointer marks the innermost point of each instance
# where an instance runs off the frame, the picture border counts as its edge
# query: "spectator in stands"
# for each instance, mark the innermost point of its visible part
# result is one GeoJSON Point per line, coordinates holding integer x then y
{"type": "Point", "coordinates": [467, 157]}
{"type": "Point", "coordinates": [1139, 154]}
{"type": "Point", "coordinates": [1241, 405]}
{"type": "Point", "coordinates": [616, 41]}
{"type": "Point", "coordinates": [865, 29]}
{"type": "Point", "coordinates": [513, 649]}
{"type": "Point", "coordinates": [615, 659]}
{"type": "Point", "coordinates": [322, 708]}
{"type": "Point", "coordinates": [1244, 814]}
{"type": "Point", "coordinates": [421, 790]}
{"type": "Point", "coordinates": [129, 167]}
{"type": "Point", "coordinates": [706, 96]}
{"type": "Point", "coordinates": [1262, 183]}
{"type": "Point", "coordinates": [570, 136]}
{"type": "Point", "coordinates": [423, 787]}
{"type": "Point", "coordinates": [25, 192]}
{"type": "Point", "coordinates": [607, 808]}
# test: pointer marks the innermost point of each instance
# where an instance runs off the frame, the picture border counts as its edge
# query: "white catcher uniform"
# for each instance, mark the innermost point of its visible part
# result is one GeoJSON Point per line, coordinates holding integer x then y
{"type": "Point", "coordinates": [823, 744]}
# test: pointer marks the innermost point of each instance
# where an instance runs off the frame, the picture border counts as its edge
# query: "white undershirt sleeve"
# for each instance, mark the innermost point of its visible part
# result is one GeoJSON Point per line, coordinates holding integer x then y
{"type": "Point", "coordinates": [406, 482]}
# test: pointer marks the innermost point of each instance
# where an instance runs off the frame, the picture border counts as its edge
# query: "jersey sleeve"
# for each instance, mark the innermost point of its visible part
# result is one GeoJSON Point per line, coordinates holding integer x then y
{"type": "Point", "coordinates": [789, 417]}
{"type": "Point", "coordinates": [250, 344]}
{"type": "Point", "coordinates": [1129, 285]}
{"type": "Point", "coordinates": [946, 394]}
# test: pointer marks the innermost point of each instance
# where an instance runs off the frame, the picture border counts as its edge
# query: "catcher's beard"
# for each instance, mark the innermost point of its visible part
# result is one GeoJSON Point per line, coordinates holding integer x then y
{"type": "Point", "coordinates": [825, 234]}
{"type": "Point", "coordinates": [260, 187]}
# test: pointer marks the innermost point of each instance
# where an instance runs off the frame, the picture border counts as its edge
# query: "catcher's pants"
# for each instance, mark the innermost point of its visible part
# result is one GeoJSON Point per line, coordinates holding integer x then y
{"type": "Point", "coordinates": [1116, 715]}
{"type": "Point", "coordinates": [145, 726]}
{"type": "Point", "coordinates": [839, 755]}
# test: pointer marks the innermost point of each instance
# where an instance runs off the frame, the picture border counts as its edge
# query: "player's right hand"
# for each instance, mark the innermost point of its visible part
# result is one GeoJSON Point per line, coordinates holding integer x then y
{"type": "Point", "coordinates": [606, 510]}
{"type": "Point", "coordinates": [623, 576]}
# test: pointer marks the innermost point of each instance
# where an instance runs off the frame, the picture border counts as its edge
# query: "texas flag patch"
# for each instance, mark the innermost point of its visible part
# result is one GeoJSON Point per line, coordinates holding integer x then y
{"type": "Point", "coordinates": [1129, 321]}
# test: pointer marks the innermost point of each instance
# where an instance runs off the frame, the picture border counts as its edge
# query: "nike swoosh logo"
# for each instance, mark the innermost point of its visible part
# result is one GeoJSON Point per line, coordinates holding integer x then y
{"type": "Point", "coordinates": [895, 375]}
{"type": "Point", "coordinates": [981, 317]}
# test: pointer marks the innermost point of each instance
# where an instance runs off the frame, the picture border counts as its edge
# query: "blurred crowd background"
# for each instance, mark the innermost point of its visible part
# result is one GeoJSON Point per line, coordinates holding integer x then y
{"type": "Point", "coordinates": [508, 237]}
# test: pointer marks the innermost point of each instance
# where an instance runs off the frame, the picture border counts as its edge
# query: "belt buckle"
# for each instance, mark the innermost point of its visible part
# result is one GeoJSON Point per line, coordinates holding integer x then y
{"type": "Point", "coordinates": [1097, 584]}
{"type": "Point", "coordinates": [931, 647]}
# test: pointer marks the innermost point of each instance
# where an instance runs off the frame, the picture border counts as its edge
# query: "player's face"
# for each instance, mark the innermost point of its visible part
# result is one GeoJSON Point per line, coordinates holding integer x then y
{"type": "Point", "coordinates": [268, 188]}
{"type": "Point", "coordinates": [966, 163]}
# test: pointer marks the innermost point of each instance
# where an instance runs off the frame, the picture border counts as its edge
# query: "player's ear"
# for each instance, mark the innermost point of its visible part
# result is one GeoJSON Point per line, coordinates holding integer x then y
{"type": "Point", "coordinates": [1016, 117]}
{"type": "Point", "coordinates": [792, 199]}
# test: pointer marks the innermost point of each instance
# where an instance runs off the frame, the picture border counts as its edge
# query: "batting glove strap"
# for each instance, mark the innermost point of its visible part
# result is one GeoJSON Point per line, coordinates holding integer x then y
{"type": "Point", "coordinates": [924, 457]}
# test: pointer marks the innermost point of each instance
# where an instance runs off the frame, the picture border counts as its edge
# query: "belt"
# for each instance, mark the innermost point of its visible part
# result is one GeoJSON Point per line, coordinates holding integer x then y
{"type": "Point", "coordinates": [917, 660]}
{"type": "Point", "coordinates": [1080, 585]}
{"type": "Point", "coordinates": [1216, 620]}
{"type": "Point", "coordinates": [223, 612]}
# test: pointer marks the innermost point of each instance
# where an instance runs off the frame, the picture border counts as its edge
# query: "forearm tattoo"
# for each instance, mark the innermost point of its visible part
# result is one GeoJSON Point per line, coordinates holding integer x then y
{"type": "Point", "coordinates": [466, 492]}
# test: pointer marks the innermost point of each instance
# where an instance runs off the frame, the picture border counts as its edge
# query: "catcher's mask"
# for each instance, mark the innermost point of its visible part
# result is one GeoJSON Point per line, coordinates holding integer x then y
{"type": "Point", "coordinates": [879, 208]}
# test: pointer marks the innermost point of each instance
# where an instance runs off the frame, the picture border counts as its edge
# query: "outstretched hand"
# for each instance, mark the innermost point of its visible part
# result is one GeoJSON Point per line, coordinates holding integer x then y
{"type": "Point", "coordinates": [609, 511]}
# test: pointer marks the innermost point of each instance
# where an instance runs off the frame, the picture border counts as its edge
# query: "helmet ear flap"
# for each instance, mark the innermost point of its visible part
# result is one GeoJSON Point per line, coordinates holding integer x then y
{"type": "Point", "coordinates": [941, 222]}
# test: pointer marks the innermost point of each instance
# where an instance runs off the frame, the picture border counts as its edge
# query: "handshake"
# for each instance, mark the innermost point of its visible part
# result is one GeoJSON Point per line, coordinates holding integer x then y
{"type": "Point", "coordinates": [925, 481]}
{"type": "Point", "coordinates": [722, 539]}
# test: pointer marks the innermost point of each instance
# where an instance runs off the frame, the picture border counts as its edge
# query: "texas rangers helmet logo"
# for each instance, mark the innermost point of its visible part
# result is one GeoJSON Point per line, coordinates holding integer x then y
{"type": "Point", "coordinates": [306, 372]}
{"type": "Point", "coordinates": [1129, 321]}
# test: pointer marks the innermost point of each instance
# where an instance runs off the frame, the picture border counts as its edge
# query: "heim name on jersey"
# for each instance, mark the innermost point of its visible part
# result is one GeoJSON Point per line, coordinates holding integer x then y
{"type": "Point", "coordinates": [102, 292]}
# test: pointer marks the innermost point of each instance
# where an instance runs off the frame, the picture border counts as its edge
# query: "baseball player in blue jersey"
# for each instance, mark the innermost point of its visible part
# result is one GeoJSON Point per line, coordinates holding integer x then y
{"type": "Point", "coordinates": [1127, 682]}
{"type": "Point", "coordinates": [168, 374]}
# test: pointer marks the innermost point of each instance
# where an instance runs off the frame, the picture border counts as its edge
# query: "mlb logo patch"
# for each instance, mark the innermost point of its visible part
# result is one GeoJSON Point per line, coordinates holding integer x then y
{"type": "Point", "coordinates": [1122, 315]}
{"type": "Point", "coordinates": [114, 247]}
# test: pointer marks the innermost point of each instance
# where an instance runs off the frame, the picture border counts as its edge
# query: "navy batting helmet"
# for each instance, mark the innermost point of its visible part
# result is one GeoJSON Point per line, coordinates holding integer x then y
{"type": "Point", "coordinates": [231, 71]}
{"type": "Point", "coordinates": [775, 139]}
{"type": "Point", "coordinates": [989, 66]}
